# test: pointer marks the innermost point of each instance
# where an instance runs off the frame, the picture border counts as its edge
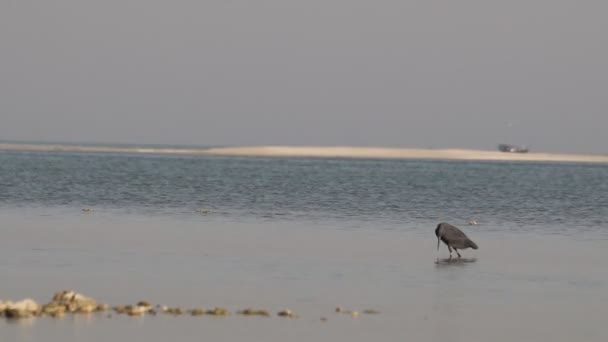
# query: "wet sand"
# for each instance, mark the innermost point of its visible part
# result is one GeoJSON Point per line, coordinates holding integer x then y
{"type": "Point", "coordinates": [321, 152]}
{"type": "Point", "coordinates": [516, 287]}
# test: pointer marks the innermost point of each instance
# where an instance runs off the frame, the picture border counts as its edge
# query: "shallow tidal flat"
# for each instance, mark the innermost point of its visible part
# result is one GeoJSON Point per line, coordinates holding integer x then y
{"type": "Point", "coordinates": [317, 152]}
{"type": "Point", "coordinates": [515, 287]}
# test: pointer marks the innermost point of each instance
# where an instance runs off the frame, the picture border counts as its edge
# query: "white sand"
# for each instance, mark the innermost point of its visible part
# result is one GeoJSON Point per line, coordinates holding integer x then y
{"type": "Point", "coordinates": [322, 152]}
{"type": "Point", "coordinates": [399, 153]}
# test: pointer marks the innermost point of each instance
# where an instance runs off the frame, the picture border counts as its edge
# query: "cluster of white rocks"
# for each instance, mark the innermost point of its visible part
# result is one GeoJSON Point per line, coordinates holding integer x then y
{"type": "Point", "coordinates": [75, 303]}
{"type": "Point", "coordinates": [63, 302]}
{"type": "Point", "coordinates": [71, 302]}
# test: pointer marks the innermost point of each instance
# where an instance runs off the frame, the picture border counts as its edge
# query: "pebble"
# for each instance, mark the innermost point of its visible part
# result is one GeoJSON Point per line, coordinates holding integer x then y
{"type": "Point", "coordinates": [22, 309]}
{"type": "Point", "coordinates": [136, 310]}
{"type": "Point", "coordinates": [254, 312]}
{"type": "Point", "coordinates": [287, 313]}
{"type": "Point", "coordinates": [174, 311]}
{"type": "Point", "coordinates": [102, 307]}
{"type": "Point", "coordinates": [75, 302]}
{"type": "Point", "coordinates": [218, 312]}
{"type": "Point", "coordinates": [86, 308]}
{"type": "Point", "coordinates": [144, 306]}
{"type": "Point", "coordinates": [121, 309]}
{"type": "Point", "coordinates": [197, 312]}
{"type": "Point", "coordinates": [144, 303]}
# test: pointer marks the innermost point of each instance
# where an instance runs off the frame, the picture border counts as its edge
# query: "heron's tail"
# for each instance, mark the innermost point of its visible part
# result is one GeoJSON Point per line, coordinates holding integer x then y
{"type": "Point", "coordinates": [471, 244]}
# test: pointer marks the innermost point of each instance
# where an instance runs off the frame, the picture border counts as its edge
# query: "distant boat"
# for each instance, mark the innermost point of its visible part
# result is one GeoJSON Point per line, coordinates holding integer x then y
{"type": "Point", "coordinates": [512, 148]}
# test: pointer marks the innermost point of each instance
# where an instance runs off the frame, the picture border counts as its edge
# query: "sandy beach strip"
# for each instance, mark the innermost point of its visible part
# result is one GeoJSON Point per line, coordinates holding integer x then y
{"type": "Point", "coordinates": [399, 153]}
{"type": "Point", "coordinates": [320, 152]}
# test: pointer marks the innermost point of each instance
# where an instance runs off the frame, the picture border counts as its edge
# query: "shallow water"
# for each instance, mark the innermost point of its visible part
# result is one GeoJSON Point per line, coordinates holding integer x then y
{"type": "Point", "coordinates": [308, 235]}
{"type": "Point", "coordinates": [563, 198]}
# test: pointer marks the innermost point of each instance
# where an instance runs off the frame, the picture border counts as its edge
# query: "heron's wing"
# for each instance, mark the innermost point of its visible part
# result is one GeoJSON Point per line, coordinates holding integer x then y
{"type": "Point", "coordinates": [460, 243]}
{"type": "Point", "coordinates": [452, 233]}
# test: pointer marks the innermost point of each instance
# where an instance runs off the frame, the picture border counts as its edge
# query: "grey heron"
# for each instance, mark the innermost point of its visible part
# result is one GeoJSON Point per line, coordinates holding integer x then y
{"type": "Point", "coordinates": [453, 238]}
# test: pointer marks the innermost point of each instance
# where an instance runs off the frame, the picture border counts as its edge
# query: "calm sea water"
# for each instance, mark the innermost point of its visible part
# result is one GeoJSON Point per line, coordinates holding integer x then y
{"type": "Point", "coordinates": [306, 234]}
{"type": "Point", "coordinates": [532, 197]}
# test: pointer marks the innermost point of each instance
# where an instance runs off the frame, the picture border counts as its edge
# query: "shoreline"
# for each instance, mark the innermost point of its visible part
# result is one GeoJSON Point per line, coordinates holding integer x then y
{"type": "Point", "coordinates": [400, 153]}
{"type": "Point", "coordinates": [319, 152]}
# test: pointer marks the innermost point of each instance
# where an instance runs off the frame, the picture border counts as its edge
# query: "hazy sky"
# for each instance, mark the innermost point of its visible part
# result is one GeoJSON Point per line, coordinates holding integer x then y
{"type": "Point", "coordinates": [421, 73]}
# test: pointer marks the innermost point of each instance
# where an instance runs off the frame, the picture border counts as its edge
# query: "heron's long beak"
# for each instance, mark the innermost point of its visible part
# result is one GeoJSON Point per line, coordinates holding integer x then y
{"type": "Point", "coordinates": [438, 241]}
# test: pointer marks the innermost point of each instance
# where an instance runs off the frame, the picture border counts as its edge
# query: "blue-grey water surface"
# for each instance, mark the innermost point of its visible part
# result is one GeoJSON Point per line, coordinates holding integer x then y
{"type": "Point", "coordinates": [542, 197]}
{"type": "Point", "coordinates": [306, 234]}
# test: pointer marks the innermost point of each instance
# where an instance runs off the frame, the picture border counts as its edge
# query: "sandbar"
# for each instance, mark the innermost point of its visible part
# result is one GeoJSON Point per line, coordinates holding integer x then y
{"type": "Point", "coordinates": [321, 152]}
{"type": "Point", "coordinates": [400, 153]}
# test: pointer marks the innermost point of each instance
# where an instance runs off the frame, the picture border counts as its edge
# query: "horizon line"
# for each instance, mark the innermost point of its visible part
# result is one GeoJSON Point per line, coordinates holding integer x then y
{"type": "Point", "coordinates": [353, 152]}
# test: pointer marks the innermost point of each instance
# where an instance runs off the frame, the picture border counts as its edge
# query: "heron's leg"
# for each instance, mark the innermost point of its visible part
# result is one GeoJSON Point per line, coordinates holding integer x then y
{"type": "Point", "coordinates": [450, 249]}
{"type": "Point", "coordinates": [457, 252]}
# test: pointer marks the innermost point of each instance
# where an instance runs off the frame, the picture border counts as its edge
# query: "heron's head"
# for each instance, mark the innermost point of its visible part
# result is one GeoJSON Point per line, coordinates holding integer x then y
{"type": "Point", "coordinates": [438, 233]}
{"type": "Point", "coordinates": [438, 230]}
